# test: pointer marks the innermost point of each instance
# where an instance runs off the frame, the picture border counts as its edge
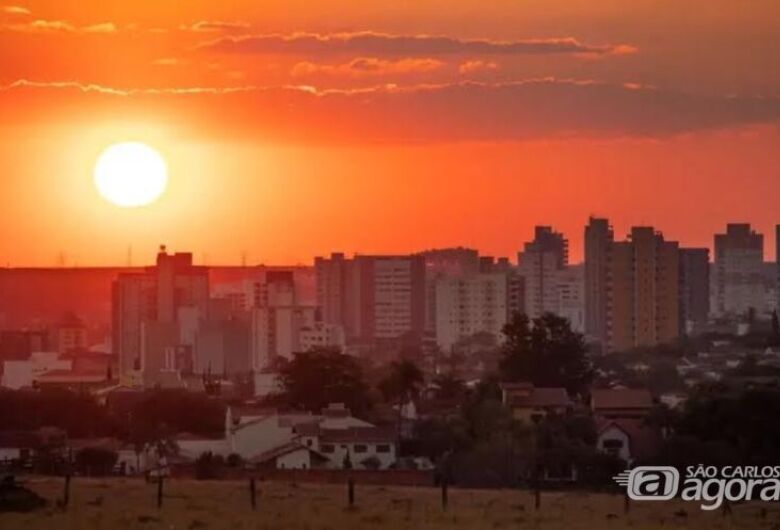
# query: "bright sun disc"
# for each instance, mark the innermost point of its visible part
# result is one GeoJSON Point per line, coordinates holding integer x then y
{"type": "Point", "coordinates": [130, 174]}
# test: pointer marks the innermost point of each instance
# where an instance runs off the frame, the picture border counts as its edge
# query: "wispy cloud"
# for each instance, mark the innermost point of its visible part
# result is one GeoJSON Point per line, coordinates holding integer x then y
{"type": "Point", "coordinates": [374, 43]}
{"type": "Point", "coordinates": [475, 66]}
{"type": "Point", "coordinates": [15, 10]}
{"type": "Point", "coordinates": [368, 66]}
{"type": "Point", "coordinates": [540, 108]}
{"type": "Point", "coordinates": [213, 26]}
{"type": "Point", "coordinates": [59, 26]}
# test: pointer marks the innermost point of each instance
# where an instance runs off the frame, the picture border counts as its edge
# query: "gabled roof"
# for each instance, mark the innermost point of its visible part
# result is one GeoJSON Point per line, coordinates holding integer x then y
{"type": "Point", "coordinates": [624, 398]}
{"type": "Point", "coordinates": [645, 440]}
{"type": "Point", "coordinates": [358, 435]}
{"type": "Point", "coordinates": [285, 449]}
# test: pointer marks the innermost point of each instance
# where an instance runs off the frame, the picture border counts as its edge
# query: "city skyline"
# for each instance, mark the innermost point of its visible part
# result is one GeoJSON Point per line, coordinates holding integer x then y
{"type": "Point", "coordinates": [379, 128]}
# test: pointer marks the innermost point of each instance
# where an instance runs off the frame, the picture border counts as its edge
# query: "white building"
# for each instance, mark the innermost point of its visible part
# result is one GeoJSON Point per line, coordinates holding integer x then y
{"type": "Point", "coordinates": [21, 374]}
{"type": "Point", "coordinates": [298, 441]}
{"type": "Point", "coordinates": [570, 303]}
{"type": "Point", "coordinates": [468, 305]}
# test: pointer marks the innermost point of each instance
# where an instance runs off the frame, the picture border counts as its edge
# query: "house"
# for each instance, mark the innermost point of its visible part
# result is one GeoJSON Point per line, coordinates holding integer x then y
{"type": "Point", "coordinates": [291, 455]}
{"type": "Point", "coordinates": [530, 404]}
{"type": "Point", "coordinates": [614, 403]}
{"type": "Point", "coordinates": [17, 446]}
{"type": "Point", "coordinates": [359, 447]}
{"type": "Point", "coordinates": [266, 438]}
{"type": "Point", "coordinates": [631, 440]}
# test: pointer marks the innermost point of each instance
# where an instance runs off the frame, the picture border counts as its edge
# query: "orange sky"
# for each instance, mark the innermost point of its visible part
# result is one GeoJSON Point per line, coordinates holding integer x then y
{"type": "Point", "coordinates": [293, 129]}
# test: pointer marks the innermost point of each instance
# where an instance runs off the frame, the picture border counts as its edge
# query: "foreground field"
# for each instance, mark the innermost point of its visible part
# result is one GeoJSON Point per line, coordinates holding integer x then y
{"type": "Point", "coordinates": [118, 504]}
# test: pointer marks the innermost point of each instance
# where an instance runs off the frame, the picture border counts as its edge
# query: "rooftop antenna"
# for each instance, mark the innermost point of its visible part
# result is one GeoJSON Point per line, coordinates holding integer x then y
{"type": "Point", "coordinates": [130, 255]}
{"type": "Point", "coordinates": [243, 259]}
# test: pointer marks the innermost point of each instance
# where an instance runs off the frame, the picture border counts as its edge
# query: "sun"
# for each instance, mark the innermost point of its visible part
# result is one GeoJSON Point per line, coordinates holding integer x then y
{"type": "Point", "coordinates": [131, 174]}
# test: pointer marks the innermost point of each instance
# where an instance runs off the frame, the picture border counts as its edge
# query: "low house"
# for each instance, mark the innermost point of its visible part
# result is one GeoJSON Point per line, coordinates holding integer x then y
{"type": "Point", "coordinates": [530, 403]}
{"type": "Point", "coordinates": [623, 403]}
{"type": "Point", "coordinates": [17, 447]}
{"type": "Point", "coordinates": [359, 447]}
{"type": "Point", "coordinates": [631, 440]}
{"type": "Point", "coordinates": [266, 438]}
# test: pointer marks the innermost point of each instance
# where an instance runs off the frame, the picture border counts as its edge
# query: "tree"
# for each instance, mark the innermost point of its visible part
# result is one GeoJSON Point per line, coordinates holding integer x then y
{"type": "Point", "coordinates": [316, 378]}
{"type": "Point", "coordinates": [545, 352]}
{"type": "Point", "coordinates": [449, 387]}
{"type": "Point", "coordinates": [400, 386]}
{"type": "Point", "coordinates": [774, 337]}
{"type": "Point", "coordinates": [95, 461]}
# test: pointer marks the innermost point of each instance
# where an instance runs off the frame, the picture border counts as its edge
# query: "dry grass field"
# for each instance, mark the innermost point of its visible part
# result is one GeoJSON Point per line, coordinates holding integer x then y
{"type": "Point", "coordinates": [118, 504]}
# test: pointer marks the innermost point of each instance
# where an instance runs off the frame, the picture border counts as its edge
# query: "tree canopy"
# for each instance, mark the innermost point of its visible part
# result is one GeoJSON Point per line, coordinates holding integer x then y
{"type": "Point", "coordinates": [546, 352]}
{"type": "Point", "coordinates": [315, 378]}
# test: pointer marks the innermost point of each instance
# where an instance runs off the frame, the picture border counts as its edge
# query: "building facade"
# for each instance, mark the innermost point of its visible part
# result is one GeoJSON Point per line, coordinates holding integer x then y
{"type": "Point", "coordinates": [738, 282]}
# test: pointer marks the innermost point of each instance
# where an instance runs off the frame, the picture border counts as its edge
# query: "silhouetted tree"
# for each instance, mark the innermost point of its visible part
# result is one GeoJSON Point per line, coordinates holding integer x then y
{"type": "Point", "coordinates": [95, 461]}
{"type": "Point", "coordinates": [545, 352]}
{"type": "Point", "coordinates": [315, 378]}
{"type": "Point", "coordinates": [401, 385]}
{"type": "Point", "coordinates": [774, 336]}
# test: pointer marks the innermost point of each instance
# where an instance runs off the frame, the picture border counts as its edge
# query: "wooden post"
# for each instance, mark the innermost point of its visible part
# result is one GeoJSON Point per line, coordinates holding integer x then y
{"type": "Point", "coordinates": [66, 493]}
{"type": "Point", "coordinates": [726, 508]}
{"type": "Point", "coordinates": [537, 496]}
{"type": "Point", "coordinates": [444, 494]}
{"type": "Point", "coordinates": [351, 492]}
{"type": "Point", "coordinates": [626, 503]}
{"type": "Point", "coordinates": [160, 481]}
{"type": "Point", "coordinates": [253, 493]}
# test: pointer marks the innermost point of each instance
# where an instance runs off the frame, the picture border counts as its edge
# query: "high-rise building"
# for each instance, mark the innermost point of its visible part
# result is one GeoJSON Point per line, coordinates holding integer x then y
{"type": "Point", "coordinates": [777, 262]}
{"type": "Point", "coordinates": [599, 237]}
{"type": "Point", "coordinates": [372, 297]}
{"type": "Point", "coordinates": [694, 289]}
{"type": "Point", "coordinates": [446, 263]}
{"type": "Point", "coordinates": [642, 291]}
{"type": "Point", "coordinates": [148, 308]}
{"type": "Point", "coordinates": [570, 303]}
{"type": "Point", "coordinates": [468, 305]}
{"type": "Point", "coordinates": [539, 263]}
{"type": "Point", "coordinates": [279, 321]}
{"type": "Point", "coordinates": [739, 281]}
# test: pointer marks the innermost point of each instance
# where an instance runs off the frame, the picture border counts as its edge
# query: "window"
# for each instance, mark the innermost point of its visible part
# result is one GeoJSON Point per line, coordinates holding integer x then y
{"type": "Point", "coordinates": [360, 448]}
{"type": "Point", "coordinates": [327, 448]}
{"type": "Point", "coordinates": [383, 448]}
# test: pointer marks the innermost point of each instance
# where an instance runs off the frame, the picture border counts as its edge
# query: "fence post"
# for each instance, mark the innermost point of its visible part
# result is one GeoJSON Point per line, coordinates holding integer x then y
{"type": "Point", "coordinates": [626, 503]}
{"type": "Point", "coordinates": [253, 493]}
{"type": "Point", "coordinates": [160, 481]}
{"type": "Point", "coordinates": [445, 501]}
{"type": "Point", "coordinates": [66, 492]}
{"type": "Point", "coordinates": [537, 496]}
{"type": "Point", "coordinates": [351, 492]}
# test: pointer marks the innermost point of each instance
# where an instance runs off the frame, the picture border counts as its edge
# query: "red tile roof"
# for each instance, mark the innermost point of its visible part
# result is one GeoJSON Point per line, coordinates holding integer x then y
{"type": "Point", "coordinates": [626, 398]}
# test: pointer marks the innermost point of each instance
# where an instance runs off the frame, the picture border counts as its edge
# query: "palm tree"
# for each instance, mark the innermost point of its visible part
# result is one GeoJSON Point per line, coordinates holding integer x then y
{"type": "Point", "coordinates": [401, 385]}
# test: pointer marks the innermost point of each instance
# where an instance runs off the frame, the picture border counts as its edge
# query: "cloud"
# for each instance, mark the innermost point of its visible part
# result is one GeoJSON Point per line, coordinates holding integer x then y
{"type": "Point", "coordinates": [15, 10]}
{"type": "Point", "coordinates": [212, 26]}
{"type": "Point", "coordinates": [59, 26]}
{"type": "Point", "coordinates": [105, 27]}
{"type": "Point", "coordinates": [466, 111]}
{"type": "Point", "coordinates": [368, 66]}
{"type": "Point", "coordinates": [373, 43]}
{"type": "Point", "coordinates": [167, 61]}
{"type": "Point", "coordinates": [475, 66]}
